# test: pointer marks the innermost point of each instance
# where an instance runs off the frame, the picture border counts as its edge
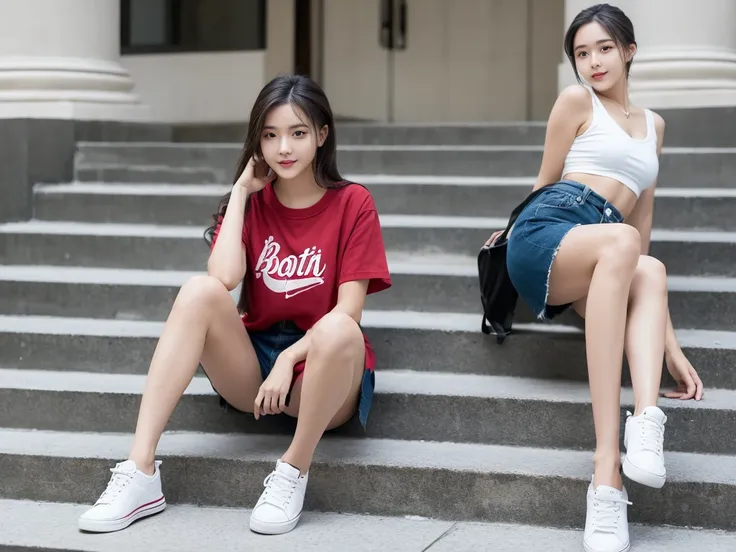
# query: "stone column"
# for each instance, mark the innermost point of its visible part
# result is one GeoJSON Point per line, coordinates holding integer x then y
{"type": "Point", "coordinates": [687, 53]}
{"type": "Point", "coordinates": [60, 59]}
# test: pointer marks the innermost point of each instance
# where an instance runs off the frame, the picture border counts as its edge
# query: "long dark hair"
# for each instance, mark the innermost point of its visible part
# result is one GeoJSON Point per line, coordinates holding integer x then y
{"type": "Point", "coordinates": [306, 95]}
{"type": "Point", "coordinates": [612, 19]}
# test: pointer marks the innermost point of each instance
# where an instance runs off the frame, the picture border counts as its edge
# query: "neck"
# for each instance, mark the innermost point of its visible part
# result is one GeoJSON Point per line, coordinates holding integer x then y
{"type": "Point", "coordinates": [619, 93]}
{"type": "Point", "coordinates": [294, 191]}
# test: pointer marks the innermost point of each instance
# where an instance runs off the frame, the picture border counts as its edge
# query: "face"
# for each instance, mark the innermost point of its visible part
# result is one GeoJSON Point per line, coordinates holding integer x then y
{"type": "Point", "coordinates": [598, 58]}
{"type": "Point", "coordinates": [289, 142]}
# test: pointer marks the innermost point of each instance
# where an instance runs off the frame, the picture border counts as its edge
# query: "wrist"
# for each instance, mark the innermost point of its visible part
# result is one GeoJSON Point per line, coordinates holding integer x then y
{"type": "Point", "coordinates": [288, 357]}
{"type": "Point", "coordinates": [671, 350]}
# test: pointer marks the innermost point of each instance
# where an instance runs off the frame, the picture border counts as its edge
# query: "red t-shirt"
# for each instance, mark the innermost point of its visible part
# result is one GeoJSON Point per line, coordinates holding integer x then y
{"type": "Point", "coordinates": [297, 258]}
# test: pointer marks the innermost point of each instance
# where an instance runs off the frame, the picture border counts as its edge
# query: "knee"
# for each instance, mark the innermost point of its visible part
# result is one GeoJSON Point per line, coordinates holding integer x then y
{"type": "Point", "coordinates": [335, 333]}
{"type": "Point", "coordinates": [650, 273]}
{"type": "Point", "coordinates": [202, 293]}
{"type": "Point", "coordinates": [623, 249]}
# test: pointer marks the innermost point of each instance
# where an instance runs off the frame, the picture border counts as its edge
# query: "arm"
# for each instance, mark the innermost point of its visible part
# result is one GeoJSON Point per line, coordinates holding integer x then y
{"type": "Point", "coordinates": [641, 219]}
{"type": "Point", "coordinates": [350, 300]}
{"type": "Point", "coordinates": [570, 112]}
{"type": "Point", "coordinates": [227, 258]}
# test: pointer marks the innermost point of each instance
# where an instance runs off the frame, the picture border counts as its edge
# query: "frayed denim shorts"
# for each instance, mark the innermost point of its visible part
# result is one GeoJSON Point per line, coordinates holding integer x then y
{"type": "Point", "coordinates": [538, 232]}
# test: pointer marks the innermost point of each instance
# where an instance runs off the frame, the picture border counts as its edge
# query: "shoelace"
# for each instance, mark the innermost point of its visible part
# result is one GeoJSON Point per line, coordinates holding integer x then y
{"type": "Point", "coordinates": [279, 489]}
{"type": "Point", "coordinates": [606, 514]}
{"type": "Point", "coordinates": [119, 480]}
{"type": "Point", "coordinates": [651, 434]}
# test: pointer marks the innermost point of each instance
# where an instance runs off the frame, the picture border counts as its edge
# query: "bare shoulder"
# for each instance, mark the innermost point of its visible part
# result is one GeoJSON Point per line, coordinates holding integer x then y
{"type": "Point", "coordinates": [575, 97]}
{"type": "Point", "coordinates": [659, 125]}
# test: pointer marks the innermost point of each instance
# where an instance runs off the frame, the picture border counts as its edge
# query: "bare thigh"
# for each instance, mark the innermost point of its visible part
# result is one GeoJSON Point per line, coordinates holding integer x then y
{"type": "Point", "coordinates": [352, 340]}
{"type": "Point", "coordinates": [644, 265]}
{"type": "Point", "coordinates": [579, 253]}
{"type": "Point", "coordinates": [228, 357]}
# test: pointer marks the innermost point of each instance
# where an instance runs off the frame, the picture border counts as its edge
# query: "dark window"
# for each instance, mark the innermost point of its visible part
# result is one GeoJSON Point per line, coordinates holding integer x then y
{"type": "Point", "coordinates": [160, 26]}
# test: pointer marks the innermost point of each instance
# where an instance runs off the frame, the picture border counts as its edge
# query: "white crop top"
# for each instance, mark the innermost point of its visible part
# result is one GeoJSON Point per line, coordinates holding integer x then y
{"type": "Point", "coordinates": [606, 149]}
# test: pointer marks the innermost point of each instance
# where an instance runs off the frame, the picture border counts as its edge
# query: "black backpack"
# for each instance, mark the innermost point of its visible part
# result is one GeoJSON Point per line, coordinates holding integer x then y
{"type": "Point", "coordinates": [497, 294]}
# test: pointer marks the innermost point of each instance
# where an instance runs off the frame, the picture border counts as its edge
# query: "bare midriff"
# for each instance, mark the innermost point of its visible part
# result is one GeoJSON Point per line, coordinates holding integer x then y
{"type": "Point", "coordinates": [613, 191]}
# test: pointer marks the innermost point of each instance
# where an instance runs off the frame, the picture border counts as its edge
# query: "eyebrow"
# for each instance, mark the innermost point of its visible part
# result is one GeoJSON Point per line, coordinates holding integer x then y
{"type": "Point", "coordinates": [601, 41]}
{"type": "Point", "coordinates": [292, 127]}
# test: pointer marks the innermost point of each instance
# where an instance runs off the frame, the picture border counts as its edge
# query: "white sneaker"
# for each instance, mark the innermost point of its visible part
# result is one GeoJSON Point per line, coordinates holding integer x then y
{"type": "Point", "coordinates": [606, 522]}
{"type": "Point", "coordinates": [130, 495]}
{"type": "Point", "coordinates": [644, 442]}
{"type": "Point", "coordinates": [280, 506]}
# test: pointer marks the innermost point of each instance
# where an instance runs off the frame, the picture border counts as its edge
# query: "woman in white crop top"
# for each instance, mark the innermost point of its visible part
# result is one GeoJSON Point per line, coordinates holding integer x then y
{"type": "Point", "coordinates": [570, 246]}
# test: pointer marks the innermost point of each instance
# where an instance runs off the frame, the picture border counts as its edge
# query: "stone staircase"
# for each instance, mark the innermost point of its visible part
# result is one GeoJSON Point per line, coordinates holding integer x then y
{"type": "Point", "coordinates": [462, 430]}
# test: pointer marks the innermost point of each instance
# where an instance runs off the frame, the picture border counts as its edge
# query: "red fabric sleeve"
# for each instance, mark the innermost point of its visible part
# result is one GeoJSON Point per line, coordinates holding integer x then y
{"type": "Point", "coordinates": [364, 256]}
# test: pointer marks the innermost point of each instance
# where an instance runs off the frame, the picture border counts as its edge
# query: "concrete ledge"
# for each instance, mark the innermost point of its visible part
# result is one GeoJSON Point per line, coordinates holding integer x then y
{"type": "Point", "coordinates": [457, 481]}
{"type": "Point", "coordinates": [42, 150]}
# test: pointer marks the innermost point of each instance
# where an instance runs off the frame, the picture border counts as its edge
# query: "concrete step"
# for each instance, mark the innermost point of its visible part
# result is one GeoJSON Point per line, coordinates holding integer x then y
{"type": "Point", "coordinates": [434, 284]}
{"type": "Point", "coordinates": [501, 134]}
{"type": "Point", "coordinates": [179, 529]}
{"type": "Point", "coordinates": [152, 173]}
{"type": "Point", "coordinates": [455, 481]}
{"type": "Point", "coordinates": [679, 167]}
{"type": "Point", "coordinates": [688, 253]}
{"type": "Point", "coordinates": [706, 209]}
{"type": "Point", "coordinates": [437, 342]}
{"type": "Point", "coordinates": [407, 405]}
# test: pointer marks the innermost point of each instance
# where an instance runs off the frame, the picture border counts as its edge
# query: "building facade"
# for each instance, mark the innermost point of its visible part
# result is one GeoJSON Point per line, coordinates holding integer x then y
{"type": "Point", "coordinates": [199, 61]}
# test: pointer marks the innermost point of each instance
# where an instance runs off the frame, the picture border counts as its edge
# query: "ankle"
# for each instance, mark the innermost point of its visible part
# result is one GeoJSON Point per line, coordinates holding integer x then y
{"type": "Point", "coordinates": [607, 471]}
{"type": "Point", "coordinates": [298, 463]}
{"type": "Point", "coordinates": [640, 407]}
{"type": "Point", "coordinates": [143, 464]}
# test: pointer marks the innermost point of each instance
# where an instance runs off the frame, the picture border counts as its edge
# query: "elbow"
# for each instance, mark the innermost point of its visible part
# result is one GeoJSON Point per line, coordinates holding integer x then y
{"type": "Point", "coordinates": [228, 278]}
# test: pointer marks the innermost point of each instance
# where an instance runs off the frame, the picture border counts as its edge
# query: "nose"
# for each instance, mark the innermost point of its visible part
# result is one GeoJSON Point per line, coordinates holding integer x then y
{"type": "Point", "coordinates": [284, 146]}
{"type": "Point", "coordinates": [594, 61]}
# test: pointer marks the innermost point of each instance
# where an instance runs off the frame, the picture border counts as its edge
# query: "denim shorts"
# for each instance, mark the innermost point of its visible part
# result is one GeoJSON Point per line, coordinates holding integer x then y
{"type": "Point", "coordinates": [269, 344]}
{"type": "Point", "coordinates": [538, 233]}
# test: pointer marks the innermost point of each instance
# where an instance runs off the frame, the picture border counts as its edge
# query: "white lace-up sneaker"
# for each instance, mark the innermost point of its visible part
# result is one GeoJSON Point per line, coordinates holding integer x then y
{"type": "Point", "coordinates": [644, 442]}
{"type": "Point", "coordinates": [606, 522]}
{"type": "Point", "coordinates": [130, 495]}
{"type": "Point", "coordinates": [280, 506]}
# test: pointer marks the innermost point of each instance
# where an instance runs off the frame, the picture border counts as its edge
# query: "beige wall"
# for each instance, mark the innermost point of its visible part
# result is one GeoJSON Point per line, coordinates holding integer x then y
{"type": "Point", "coordinates": [198, 87]}
{"type": "Point", "coordinates": [546, 32]}
{"type": "Point", "coordinates": [279, 38]}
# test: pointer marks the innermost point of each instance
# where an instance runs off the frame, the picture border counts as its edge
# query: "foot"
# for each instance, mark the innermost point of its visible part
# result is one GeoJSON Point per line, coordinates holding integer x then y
{"type": "Point", "coordinates": [130, 495]}
{"type": "Point", "coordinates": [280, 506]}
{"type": "Point", "coordinates": [644, 442]}
{"type": "Point", "coordinates": [606, 522]}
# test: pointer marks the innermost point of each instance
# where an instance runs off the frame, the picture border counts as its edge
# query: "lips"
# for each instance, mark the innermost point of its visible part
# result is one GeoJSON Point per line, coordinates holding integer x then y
{"type": "Point", "coordinates": [599, 76]}
{"type": "Point", "coordinates": [286, 164]}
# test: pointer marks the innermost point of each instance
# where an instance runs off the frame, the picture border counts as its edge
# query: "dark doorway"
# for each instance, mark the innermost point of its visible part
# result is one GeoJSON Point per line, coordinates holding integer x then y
{"type": "Point", "coordinates": [303, 37]}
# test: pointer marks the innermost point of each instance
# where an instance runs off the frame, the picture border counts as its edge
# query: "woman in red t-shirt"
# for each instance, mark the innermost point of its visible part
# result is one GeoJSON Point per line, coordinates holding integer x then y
{"type": "Point", "coordinates": [307, 247]}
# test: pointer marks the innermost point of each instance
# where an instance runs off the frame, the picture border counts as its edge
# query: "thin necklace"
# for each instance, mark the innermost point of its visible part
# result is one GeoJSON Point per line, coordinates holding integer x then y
{"type": "Point", "coordinates": [627, 113]}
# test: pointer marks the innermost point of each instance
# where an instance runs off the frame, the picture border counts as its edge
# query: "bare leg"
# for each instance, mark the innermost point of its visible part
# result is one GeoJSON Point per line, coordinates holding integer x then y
{"type": "Point", "coordinates": [328, 393]}
{"type": "Point", "coordinates": [645, 329]}
{"type": "Point", "coordinates": [599, 261]}
{"type": "Point", "coordinates": [203, 325]}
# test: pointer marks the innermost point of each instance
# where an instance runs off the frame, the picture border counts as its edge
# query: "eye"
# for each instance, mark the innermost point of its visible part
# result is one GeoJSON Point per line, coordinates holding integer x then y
{"type": "Point", "coordinates": [300, 133]}
{"type": "Point", "coordinates": [581, 54]}
{"type": "Point", "coordinates": [269, 135]}
{"type": "Point", "coordinates": [606, 48]}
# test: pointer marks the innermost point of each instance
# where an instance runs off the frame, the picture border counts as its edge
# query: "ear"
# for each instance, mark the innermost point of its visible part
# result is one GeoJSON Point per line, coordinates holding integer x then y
{"type": "Point", "coordinates": [631, 52]}
{"type": "Point", "coordinates": [323, 132]}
